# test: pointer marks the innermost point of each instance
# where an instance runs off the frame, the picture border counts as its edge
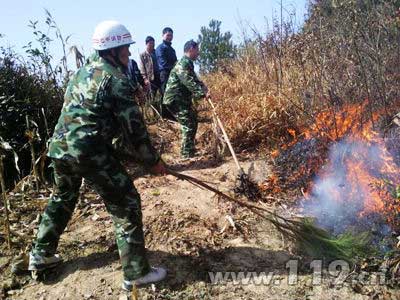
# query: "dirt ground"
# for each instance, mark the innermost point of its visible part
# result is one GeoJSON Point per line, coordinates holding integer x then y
{"type": "Point", "coordinates": [190, 232]}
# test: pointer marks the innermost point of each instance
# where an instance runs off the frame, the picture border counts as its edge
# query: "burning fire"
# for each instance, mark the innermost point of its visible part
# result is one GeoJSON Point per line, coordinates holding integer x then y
{"type": "Point", "coordinates": [360, 174]}
{"type": "Point", "coordinates": [358, 179]}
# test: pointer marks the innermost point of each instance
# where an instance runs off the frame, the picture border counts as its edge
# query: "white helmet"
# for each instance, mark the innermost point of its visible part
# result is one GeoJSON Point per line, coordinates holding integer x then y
{"type": "Point", "coordinates": [110, 34]}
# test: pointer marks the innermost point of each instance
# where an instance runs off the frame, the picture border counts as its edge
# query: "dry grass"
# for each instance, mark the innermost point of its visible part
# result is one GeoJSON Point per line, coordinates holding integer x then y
{"type": "Point", "coordinates": [345, 53]}
{"type": "Point", "coordinates": [253, 113]}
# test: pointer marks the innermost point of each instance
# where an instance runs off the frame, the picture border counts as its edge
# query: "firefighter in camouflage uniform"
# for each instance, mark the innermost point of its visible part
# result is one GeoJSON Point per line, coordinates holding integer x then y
{"type": "Point", "coordinates": [184, 88]}
{"type": "Point", "coordinates": [99, 105]}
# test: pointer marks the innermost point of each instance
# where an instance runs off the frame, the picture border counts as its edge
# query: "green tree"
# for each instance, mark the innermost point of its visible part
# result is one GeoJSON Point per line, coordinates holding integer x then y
{"type": "Point", "coordinates": [216, 47]}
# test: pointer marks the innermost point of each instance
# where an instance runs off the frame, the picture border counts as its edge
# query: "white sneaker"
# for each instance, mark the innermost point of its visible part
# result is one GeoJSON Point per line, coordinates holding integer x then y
{"type": "Point", "coordinates": [155, 275]}
{"type": "Point", "coordinates": [38, 262]}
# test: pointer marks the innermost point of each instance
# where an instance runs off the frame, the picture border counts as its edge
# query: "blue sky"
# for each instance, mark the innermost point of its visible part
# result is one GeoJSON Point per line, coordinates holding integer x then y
{"type": "Point", "coordinates": [142, 18]}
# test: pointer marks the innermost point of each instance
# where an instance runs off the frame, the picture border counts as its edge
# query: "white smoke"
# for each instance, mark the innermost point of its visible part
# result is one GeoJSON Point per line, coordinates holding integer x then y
{"type": "Point", "coordinates": [336, 202]}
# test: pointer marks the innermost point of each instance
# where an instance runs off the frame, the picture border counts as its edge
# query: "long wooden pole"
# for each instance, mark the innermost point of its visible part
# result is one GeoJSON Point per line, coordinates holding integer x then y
{"type": "Point", "coordinates": [228, 142]}
{"type": "Point", "coordinates": [204, 185]}
{"type": "Point", "coordinates": [279, 221]}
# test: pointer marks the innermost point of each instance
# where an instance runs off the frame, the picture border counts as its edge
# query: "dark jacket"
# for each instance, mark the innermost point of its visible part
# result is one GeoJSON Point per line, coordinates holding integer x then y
{"type": "Point", "coordinates": [166, 56]}
{"type": "Point", "coordinates": [134, 73]}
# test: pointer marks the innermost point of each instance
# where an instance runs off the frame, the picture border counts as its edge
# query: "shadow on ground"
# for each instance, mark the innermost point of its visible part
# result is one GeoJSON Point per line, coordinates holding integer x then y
{"type": "Point", "coordinates": [184, 270]}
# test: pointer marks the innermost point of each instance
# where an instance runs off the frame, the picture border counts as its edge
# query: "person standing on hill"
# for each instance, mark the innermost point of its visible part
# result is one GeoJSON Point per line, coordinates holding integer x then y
{"type": "Point", "coordinates": [98, 105]}
{"type": "Point", "coordinates": [148, 66]}
{"type": "Point", "coordinates": [166, 56]}
{"type": "Point", "coordinates": [134, 73]}
{"type": "Point", "coordinates": [183, 87]}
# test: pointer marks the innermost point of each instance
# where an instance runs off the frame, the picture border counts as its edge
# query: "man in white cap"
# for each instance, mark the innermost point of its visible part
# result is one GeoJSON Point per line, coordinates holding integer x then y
{"type": "Point", "coordinates": [98, 106]}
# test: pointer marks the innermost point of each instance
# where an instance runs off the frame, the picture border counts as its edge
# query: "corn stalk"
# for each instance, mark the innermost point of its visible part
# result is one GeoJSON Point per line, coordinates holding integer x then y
{"type": "Point", "coordinates": [31, 135]}
{"type": "Point", "coordinates": [5, 203]}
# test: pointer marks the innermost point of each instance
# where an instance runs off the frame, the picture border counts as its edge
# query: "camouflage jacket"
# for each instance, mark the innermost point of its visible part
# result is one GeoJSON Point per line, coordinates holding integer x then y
{"type": "Point", "coordinates": [183, 86]}
{"type": "Point", "coordinates": [98, 106]}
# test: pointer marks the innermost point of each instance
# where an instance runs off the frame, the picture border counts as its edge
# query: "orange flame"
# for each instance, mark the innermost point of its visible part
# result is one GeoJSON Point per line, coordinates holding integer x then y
{"type": "Point", "coordinates": [374, 183]}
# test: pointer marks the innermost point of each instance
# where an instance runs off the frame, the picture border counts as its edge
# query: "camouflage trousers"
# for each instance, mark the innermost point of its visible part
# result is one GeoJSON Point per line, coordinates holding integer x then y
{"type": "Point", "coordinates": [187, 118]}
{"type": "Point", "coordinates": [109, 179]}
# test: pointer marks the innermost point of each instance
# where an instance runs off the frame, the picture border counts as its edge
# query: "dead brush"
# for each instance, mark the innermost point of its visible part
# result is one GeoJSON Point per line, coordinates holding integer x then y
{"type": "Point", "coordinates": [255, 114]}
{"type": "Point", "coordinates": [282, 78]}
